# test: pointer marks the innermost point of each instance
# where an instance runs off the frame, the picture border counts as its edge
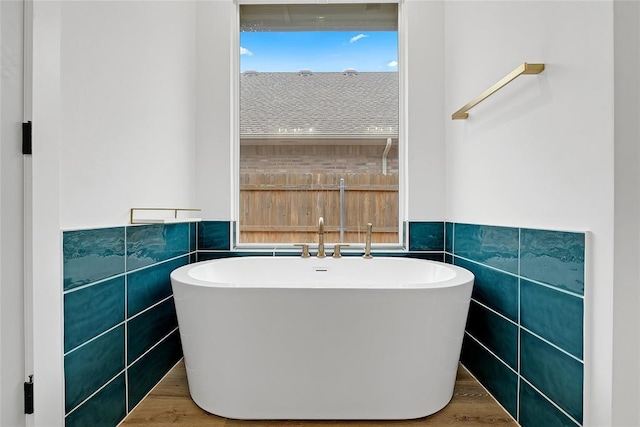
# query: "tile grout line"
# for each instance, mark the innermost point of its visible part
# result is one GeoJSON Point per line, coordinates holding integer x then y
{"type": "Point", "coordinates": [92, 395]}
{"type": "Point", "coordinates": [491, 352]}
{"type": "Point", "coordinates": [453, 239]}
{"type": "Point", "coordinates": [489, 393]}
{"type": "Point", "coordinates": [546, 341]}
{"type": "Point", "coordinates": [164, 261]}
{"type": "Point", "coordinates": [519, 330]}
{"type": "Point", "coordinates": [152, 306]}
{"type": "Point", "coordinates": [494, 311]}
{"type": "Point", "coordinates": [123, 323]}
{"type": "Point", "coordinates": [160, 341]}
{"type": "Point", "coordinates": [150, 391]}
{"type": "Point", "coordinates": [518, 376]}
{"type": "Point", "coordinates": [126, 329]}
{"type": "Point", "coordinates": [554, 288]}
{"type": "Point", "coordinates": [546, 285]}
{"type": "Point", "coordinates": [550, 401]}
{"type": "Point", "coordinates": [123, 371]}
{"type": "Point", "coordinates": [101, 334]}
{"type": "Point", "coordinates": [115, 276]}
{"type": "Point", "coordinates": [97, 282]}
{"type": "Point", "coordinates": [553, 345]}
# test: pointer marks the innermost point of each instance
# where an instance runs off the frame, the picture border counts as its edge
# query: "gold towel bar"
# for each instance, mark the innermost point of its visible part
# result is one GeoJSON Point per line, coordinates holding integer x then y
{"type": "Point", "coordinates": [525, 68]}
{"type": "Point", "coordinates": [132, 220]}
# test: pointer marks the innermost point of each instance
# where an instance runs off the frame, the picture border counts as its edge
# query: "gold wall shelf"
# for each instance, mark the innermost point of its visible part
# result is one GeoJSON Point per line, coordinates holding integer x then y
{"type": "Point", "coordinates": [525, 68]}
{"type": "Point", "coordinates": [162, 219]}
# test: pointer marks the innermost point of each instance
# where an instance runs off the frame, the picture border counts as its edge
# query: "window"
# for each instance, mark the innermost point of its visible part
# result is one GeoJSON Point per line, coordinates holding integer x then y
{"type": "Point", "coordinates": [319, 115]}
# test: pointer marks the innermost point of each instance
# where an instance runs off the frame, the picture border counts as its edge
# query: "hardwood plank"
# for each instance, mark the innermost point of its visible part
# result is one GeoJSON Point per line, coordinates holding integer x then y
{"type": "Point", "coordinates": [169, 403]}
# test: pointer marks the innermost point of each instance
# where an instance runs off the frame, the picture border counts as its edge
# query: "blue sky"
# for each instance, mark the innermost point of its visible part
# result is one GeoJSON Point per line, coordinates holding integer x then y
{"type": "Point", "coordinates": [319, 51]}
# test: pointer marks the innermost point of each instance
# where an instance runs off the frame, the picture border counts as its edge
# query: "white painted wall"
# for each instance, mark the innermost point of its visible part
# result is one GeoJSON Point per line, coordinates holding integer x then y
{"type": "Point", "coordinates": [423, 73]}
{"type": "Point", "coordinates": [128, 111]}
{"type": "Point", "coordinates": [12, 367]}
{"type": "Point", "coordinates": [114, 128]}
{"type": "Point", "coordinates": [118, 123]}
{"type": "Point", "coordinates": [43, 196]}
{"type": "Point", "coordinates": [425, 139]}
{"type": "Point", "coordinates": [540, 152]}
{"type": "Point", "coordinates": [216, 25]}
{"type": "Point", "coordinates": [626, 292]}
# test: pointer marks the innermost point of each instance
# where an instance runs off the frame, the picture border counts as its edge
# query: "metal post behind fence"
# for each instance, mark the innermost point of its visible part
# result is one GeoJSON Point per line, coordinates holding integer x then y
{"type": "Point", "coordinates": [341, 210]}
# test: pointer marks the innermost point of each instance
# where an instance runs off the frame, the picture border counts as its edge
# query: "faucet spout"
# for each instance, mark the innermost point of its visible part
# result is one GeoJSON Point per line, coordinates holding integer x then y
{"type": "Point", "coordinates": [321, 253]}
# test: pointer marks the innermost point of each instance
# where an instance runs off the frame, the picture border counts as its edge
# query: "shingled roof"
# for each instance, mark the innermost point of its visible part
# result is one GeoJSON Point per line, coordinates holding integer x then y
{"type": "Point", "coordinates": [319, 105]}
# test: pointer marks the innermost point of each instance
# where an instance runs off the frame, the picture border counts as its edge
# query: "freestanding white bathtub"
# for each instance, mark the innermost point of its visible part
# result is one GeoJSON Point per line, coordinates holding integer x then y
{"type": "Point", "coordinates": [348, 338]}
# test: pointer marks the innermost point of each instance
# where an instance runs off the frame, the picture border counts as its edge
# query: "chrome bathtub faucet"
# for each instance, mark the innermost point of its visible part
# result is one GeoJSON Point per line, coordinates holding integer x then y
{"type": "Point", "coordinates": [321, 253]}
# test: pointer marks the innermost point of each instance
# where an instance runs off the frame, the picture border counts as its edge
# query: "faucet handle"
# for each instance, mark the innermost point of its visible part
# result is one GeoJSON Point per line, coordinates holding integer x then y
{"type": "Point", "coordinates": [336, 249]}
{"type": "Point", "coordinates": [305, 249]}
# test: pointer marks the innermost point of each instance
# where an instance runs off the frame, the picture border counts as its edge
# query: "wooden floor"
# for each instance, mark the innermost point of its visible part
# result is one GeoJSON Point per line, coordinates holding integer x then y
{"type": "Point", "coordinates": [169, 403]}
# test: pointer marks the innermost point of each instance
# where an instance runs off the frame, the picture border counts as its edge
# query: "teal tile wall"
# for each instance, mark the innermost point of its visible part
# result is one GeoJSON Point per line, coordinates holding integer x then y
{"type": "Point", "coordinates": [493, 288]}
{"type": "Point", "coordinates": [92, 365]}
{"type": "Point", "coordinates": [92, 255]}
{"type": "Point", "coordinates": [151, 285]}
{"type": "Point", "coordinates": [151, 367]}
{"type": "Point", "coordinates": [525, 331]}
{"type": "Point", "coordinates": [495, 332]}
{"type": "Point", "coordinates": [543, 308]}
{"type": "Point", "coordinates": [425, 240]}
{"type": "Point", "coordinates": [147, 329]}
{"type": "Point", "coordinates": [214, 235]}
{"type": "Point", "coordinates": [492, 246]}
{"type": "Point", "coordinates": [120, 328]}
{"type": "Point", "coordinates": [553, 372]}
{"type": "Point", "coordinates": [535, 410]}
{"type": "Point", "coordinates": [524, 337]}
{"type": "Point", "coordinates": [151, 244]}
{"type": "Point", "coordinates": [107, 311]}
{"type": "Point", "coordinates": [495, 376]}
{"type": "Point", "coordinates": [107, 408]}
{"type": "Point", "coordinates": [426, 236]}
{"type": "Point", "coordinates": [555, 258]}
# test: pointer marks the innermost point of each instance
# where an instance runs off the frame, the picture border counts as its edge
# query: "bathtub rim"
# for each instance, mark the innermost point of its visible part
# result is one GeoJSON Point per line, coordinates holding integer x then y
{"type": "Point", "coordinates": [462, 275]}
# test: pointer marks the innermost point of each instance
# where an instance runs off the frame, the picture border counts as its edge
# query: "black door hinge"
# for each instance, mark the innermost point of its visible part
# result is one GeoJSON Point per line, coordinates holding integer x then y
{"type": "Point", "coordinates": [26, 138]}
{"type": "Point", "coordinates": [28, 396]}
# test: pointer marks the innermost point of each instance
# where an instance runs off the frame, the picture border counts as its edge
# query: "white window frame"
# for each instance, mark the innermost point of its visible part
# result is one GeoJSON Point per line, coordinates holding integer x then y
{"type": "Point", "coordinates": [403, 243]}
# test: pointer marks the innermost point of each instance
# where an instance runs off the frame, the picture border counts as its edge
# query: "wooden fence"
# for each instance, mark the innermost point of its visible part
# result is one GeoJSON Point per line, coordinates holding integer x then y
{"type": "Point", "coordinates": [284, 208]}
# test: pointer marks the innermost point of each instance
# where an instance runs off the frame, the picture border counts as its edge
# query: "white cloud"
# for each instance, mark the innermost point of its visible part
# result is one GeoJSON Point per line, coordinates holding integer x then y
{"type": "Point", "coordinates": [358, 37]}
{"type": "Point", "coordinates": [392, 64]}
{"type": "Point", "coordinates": [245, 51]}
